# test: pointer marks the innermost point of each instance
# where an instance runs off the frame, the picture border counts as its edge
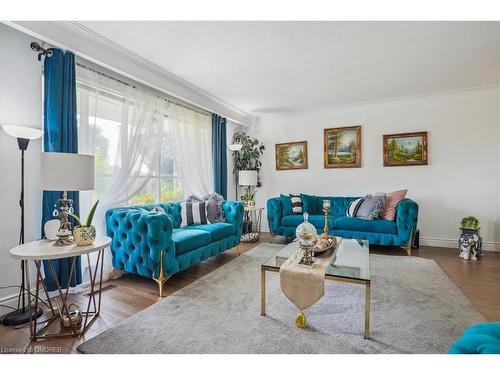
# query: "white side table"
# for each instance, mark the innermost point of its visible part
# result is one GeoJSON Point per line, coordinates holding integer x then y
{"type": "Point", "coordinates": [38, 251]}
{"type": "Point", "coordinates": [253, 220]}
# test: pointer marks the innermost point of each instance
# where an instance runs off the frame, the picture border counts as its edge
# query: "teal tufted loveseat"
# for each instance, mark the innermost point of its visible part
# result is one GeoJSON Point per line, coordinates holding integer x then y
{"type": "Point", "coordinates": [482, 338]}
{"type": "Point", "coordinates": [154, 245]}
{"type": "Point", "coordinates": [282, 222]}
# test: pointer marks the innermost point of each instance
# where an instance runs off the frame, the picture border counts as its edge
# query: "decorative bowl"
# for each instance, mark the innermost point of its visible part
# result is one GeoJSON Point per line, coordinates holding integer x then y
{"type": "Point", "coordinates": [324, 243]}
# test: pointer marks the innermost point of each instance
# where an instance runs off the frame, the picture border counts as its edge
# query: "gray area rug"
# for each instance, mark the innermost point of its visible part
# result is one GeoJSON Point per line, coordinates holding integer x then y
{"type": "Point", "coordinates": [416, 308]}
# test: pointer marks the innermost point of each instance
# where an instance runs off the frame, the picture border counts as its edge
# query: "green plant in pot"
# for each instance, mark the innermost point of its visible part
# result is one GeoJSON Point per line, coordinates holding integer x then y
{"type": "Point", "coordinates": [247, 158]}
{"type": "Point", "coordinates": [470, 223]}
{"type": "Point", "coordinates": [470, 242]}
{"type": "Point", "coordinates": [84, 233]}
{"type": "Point", "coordinates": [249, 198]}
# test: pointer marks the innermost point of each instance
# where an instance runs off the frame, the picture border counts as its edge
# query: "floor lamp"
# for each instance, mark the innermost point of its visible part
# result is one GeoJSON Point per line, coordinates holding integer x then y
{"type": "Point", "coordinates": [22, 314]}
{"type": "Point", "coordinates": [235, 147]}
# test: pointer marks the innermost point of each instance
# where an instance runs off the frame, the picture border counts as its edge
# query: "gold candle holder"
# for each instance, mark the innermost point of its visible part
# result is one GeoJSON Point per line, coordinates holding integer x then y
{"type": "Point", "coordinates": [326, 209]}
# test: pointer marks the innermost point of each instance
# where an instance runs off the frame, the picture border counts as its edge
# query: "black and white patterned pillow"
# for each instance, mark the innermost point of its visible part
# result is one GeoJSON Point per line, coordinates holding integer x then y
{"type": "Point", "coordinates": [217, 200]}
{"type": "Point", "coordinates": [353, 207]}
{"type": "Point", "coordinates": [193, 213]}
{"type": "Point", "coordinates": [297, 205]}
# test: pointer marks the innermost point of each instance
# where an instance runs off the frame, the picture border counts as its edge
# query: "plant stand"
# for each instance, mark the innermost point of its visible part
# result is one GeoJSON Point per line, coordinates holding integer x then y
{"type": "Point", "coordinates": [252, 222]}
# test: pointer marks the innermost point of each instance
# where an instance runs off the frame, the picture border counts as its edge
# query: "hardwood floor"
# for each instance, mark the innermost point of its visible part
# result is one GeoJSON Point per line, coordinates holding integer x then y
{"type": "Point", "coordinates": [479, 281]}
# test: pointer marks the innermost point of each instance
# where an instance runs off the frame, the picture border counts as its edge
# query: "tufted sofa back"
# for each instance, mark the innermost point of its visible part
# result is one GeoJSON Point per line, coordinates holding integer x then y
{"type": "Point", "coordinates": [338, 204]}
{"type": "Point", "coordinates": [138, 238]}
{"type": "Point", "coordinates": [173, 209]}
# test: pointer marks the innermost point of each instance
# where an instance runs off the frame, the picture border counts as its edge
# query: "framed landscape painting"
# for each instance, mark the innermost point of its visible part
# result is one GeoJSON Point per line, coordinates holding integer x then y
{"type": "Point", "coordinates": [405, 149]}
{"type": "Point", "coordinates": [342, 147]}
{"type": "Point", "coordinates": [292, 155]}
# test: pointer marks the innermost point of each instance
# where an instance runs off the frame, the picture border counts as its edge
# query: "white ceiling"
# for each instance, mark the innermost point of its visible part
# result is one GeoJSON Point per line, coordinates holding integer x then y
{"type": "Point", "coordinates": [284, 66]}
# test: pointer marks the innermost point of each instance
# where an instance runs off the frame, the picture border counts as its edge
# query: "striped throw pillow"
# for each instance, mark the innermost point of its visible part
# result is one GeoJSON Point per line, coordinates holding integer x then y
{"type": "Point", "coordinates": [297, 205]}
{"type": "Point", "coordinates": [193, 213]}
{"type": "Point", "coordinates": [353, 207]}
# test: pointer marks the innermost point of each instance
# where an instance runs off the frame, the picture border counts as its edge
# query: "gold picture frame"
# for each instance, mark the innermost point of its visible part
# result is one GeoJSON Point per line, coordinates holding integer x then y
{"type": "Point", "coordinates": [291, 155]}
{"type": "Point", "coordinates": [342, 147]}
{"type": "Point", "coordinates": [405, 149]}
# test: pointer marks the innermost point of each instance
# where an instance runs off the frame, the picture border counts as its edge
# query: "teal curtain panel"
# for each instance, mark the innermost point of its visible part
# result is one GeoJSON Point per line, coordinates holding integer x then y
{"type": "Point", "coordinates": [219, 154]}
{"type": "Point", "coordinates": [60, 135]}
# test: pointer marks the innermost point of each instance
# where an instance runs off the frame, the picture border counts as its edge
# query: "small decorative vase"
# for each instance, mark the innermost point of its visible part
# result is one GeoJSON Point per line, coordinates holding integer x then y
{"type": "Point", "coordinates": [249, 204]}
{"type": "Point", "coordinates": [84, 236]}
{"type": "Point", "coordinates": [306, 232]}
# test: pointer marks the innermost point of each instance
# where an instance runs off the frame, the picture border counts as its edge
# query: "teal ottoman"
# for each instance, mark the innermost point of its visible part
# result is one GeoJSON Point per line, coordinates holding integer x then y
{"type": "Point", "coordinates": [483, 338]}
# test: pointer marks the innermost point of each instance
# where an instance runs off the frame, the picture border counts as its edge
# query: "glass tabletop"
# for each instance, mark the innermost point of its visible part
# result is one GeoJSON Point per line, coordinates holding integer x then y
{"type": "Point", "coordinates": [351, 259]}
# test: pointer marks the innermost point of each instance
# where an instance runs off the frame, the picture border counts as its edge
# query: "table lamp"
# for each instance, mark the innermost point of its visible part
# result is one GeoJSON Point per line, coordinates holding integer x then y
{"type": "Point", "coordinates": [23, 135]}
{"type": "Point", "coordinates": [66, 172]}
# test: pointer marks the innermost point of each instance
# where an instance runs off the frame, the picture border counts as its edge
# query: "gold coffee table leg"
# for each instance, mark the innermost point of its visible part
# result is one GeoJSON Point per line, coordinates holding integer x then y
{"type": "Point", "coordinates": [367, 310]}
{"type": "Point", "coordinates": [262, 291]}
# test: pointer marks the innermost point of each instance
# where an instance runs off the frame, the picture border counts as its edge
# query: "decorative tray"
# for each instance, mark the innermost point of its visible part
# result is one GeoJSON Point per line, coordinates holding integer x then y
{"type": "Point", "coordinates": [324, 244]}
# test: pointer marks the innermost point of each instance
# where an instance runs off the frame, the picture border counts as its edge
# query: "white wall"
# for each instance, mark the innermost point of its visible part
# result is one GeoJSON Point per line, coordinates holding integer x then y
{"type": "Point", "coordinates": [462, 177]}
{"type": "Point", "coordinates": [20, 104]}
{"type": "Point", "coordinates": [93, 47]}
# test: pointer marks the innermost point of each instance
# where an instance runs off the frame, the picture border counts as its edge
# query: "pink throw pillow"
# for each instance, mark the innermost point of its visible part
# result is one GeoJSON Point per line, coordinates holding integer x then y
{"type": "Point", "coordinates": [388, 212]}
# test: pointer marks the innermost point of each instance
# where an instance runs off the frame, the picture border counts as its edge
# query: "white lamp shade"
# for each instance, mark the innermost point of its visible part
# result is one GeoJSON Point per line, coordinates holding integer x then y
{"type": "Point", "coordinates": [22, 132]}
{"type": "Point", "coordinates": [247, 178]}
{"type": "Point", "coordinates": [235, 147]}
{"type": "Point", "coordinates": [67, 172]}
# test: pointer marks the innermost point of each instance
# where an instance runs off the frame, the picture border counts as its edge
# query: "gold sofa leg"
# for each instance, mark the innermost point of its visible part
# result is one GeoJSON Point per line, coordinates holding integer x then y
{"type": "Point", "coordinates": [238, 249]}
{"type": "Point", "coordinates": [408, 244]}
{"type": "Point", "coordinates": [161, 278]}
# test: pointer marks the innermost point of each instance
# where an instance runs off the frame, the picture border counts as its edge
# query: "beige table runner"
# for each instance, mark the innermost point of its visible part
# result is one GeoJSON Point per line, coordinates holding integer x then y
{"type": "Point", "coordinates": [305, 285]}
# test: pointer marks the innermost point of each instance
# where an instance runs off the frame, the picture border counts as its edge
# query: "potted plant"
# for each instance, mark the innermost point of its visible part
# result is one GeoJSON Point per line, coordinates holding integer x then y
{"type": "Point", "coordinates": [248, 157]}
{"type": "Point", "coordinates": [84, 234]}
{"type": "Point", "coordinates": [249, 199]}
{"type": "Point", "coordinates": [470, 223]}
{"type": "Point", "coordinates": [470, 242]}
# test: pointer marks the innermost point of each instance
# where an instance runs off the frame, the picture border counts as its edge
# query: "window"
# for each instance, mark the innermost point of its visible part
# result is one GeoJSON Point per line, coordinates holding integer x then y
{"type": "Point", "coordinates": [164, 185]}
{"type": "Point", "coordinates": [146, 148]}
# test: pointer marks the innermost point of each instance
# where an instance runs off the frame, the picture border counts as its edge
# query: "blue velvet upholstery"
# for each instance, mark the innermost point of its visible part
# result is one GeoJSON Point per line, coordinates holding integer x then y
{"type": "Point", "coordinates": [286, 205]}
{"type": "Point", "coordinates": [217, 231]}
{"type": "Point", "coordinates": [187, 239]}
{"type": "Point", "coordinates": [483, 338]}
{"type": "Point", "coordinates": [377, 232]}
{"type": "Point", "coordinates": [360, 225]}
{"type": "Point", "coordinates": [310, 204]}
{"type": "Point", "coordinates": [139, 236]}
{"type": "Point", "coordinates": [317, 220]}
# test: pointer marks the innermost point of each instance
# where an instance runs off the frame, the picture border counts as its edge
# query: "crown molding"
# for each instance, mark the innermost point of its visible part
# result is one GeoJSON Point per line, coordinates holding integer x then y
{"type": "Point", "coordinates": [305, 110]}
{"type": "Point", "coordinates": [102, 51]}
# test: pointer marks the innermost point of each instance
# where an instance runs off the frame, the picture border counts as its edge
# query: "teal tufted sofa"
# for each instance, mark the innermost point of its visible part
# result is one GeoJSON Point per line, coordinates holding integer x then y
{"type": "Point", "coordinates": [153, 244]}
{"type": "Point", "coordinates": [282, 222]}
{"type": "Point", "coordinates": [482, 338]}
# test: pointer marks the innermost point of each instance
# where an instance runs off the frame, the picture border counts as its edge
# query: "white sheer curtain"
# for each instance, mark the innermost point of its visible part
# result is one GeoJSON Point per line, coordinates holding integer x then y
{"type": "Point", "coordinates": [192, 145]}
{"type": "Point", "coordinates": [130, 121]}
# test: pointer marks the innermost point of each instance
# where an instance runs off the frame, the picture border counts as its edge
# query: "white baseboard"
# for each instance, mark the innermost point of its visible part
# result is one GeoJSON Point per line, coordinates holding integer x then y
{"type": "Point", "coordinates": [453, 243]}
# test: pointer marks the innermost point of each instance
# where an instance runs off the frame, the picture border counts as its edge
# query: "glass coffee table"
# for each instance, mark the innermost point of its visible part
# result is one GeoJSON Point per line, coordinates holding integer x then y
{"type": "Point", "coordinates": [350, 264]}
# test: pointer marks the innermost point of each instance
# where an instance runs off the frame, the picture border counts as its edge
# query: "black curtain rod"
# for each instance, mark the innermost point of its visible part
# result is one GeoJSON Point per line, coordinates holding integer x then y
{"type": "Point", "coordinates": [41, 51]}
{"type": "Point", "coordinates": [35, 46]}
